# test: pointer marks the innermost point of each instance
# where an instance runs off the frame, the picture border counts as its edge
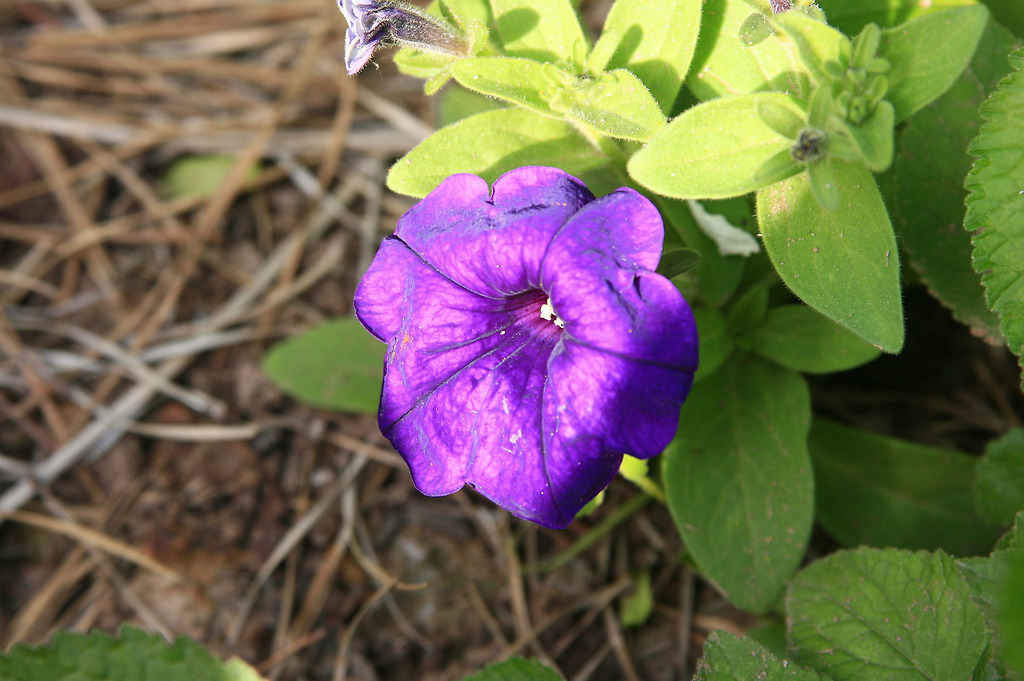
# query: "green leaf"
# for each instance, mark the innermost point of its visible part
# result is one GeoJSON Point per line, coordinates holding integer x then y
{"type": "Point", "coordinates": [637, 606]}
{"type": "Point", "coordinates": [715, 342]}
{"type": "Point", "coordinates": [558, 37]}
{"type": "Point", "coordinates": [881, 491]}
{"type": "Point", "coordinates": [885, 614]}
{"type": "Point", "coordinates": [521, 81]}
{"type": "Point", "coordinates": [615, 104]}
{"type": "Point", "coordinates": [675, 262]}
{"type": "Point", "coordinates": [515, 669]}
{"type": "Point", "coordinates": [999, 488]}
{"type": "Point", "coordinates": [1011, 615]}
{"type": "Point", "coordinates": [843, 263]}
{"type": "Point", "coordinates": [816, 41]}
{"type": "Point", "coordinates": [456, 103]}
{"type": "Point", "coordinates": [490, 144]}
{"type": "Point", "coordinates": [337, 365]}
{"type": "Point", "coordinates": [655, 39]}
{"type": "Point", "coordinates": [738, 479]}
{"type": "Point", "coordinates": [872, 137]}
{"type": "Point", "coordinates": [200, 175]}
{"type": "Point", "coordinates": [713, 150]}
{"type": "Point", "coordinates": [851, 17]}
{"type": "Point", "coordinates": [928, 54]}
{"type": "Point", "coordinates": [927, 194]}
{"type": "Point", "coordinates": [995, 205]}
{"type": "Point", "coordinates": [134, 655]}
{"type": "Point", "coordinates": [799, 338]}
{"type": "Point", "coordinates": [728, 658]}
{"type": "Point", "coordinates": [724, 64]}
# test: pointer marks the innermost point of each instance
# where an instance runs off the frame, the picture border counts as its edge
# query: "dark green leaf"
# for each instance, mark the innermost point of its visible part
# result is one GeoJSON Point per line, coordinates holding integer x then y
{"type": "Point", "coordinates": [843, 262]}
{"type": "Point", "coordinates": [675, 262]}
{"type": "Point", "coordinates": [655, 39]}
{"type": "Point", "coordinates": [727, 658]}
{"type": "Point", "coordinates": [880, 491]}
{"type": "Point", "coordinates": [134, 655]}
{"type": "Point", "coordinates": [713, 150]}
{"type": "Point", "coordinates": [738, 479]}
{"type": "Point", "coordinates": [490, 144]}
{"type": "Point", "coordinates": [928, 54]}
{"type": "Point", "coordinates": [715, 343]}
{"type": "Point", "coordinates": [995, 205]}
{"type": "Point", "coordinates": [927, 194]}
{"type": "Point", "coordinates": [999, 488]}
{"type": "Point", "coordinates": [337, 365]}
{"type": "Point", "coordinates": [885, 614]}
{"type": "Point", "coordinates": [799, 338]}
{"type": "Point", "coordinates": [515, 669]}
{"type": "Point", "coordinates": [850, 17]}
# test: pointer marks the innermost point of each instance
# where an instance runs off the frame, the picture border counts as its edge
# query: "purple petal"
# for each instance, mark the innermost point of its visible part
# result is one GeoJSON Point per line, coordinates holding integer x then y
{"type": "Point", "coordinates": [492, 242]}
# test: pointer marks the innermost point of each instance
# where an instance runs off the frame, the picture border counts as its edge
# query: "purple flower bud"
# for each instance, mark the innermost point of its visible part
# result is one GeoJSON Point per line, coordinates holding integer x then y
{"type": "Point", "coordinates": [780, 6]}
{"type": "Point", "coordinates": [530, 342]}
{"type": "Point", "coordinates": [376, 23]}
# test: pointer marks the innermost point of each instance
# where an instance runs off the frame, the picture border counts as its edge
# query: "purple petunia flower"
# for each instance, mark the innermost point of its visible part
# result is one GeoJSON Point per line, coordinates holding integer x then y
{"type": "Point", "coordinates": [376, 23]}
{"type": "Point", "coordinates": [530, 342]}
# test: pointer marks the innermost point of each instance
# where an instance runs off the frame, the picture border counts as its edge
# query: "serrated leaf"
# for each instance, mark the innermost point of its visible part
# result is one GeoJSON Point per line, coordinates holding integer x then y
{"type": "Point", "coordinates": [885, 614]}
{"type": "Point", "coordinates": [928, 54]}
{"type": "Point", "coordinates": [851, 17]}
{"type": "Point", "coordinates": [738, 479]}
{"type": "Point", "coordinates": [712, 150]}
{"type": "Point", "coordinates": [728, 658]}
{"type": "Point", "coordinates": [927, 194]}
{"type": "Point", "coordinates": [558, 37]}
{"type": "Point", "coordinates": [881, 491]}
{"type": "Point", "coordinates": [723, 64]}
{"type": "Point", "coordinates": [134, 655]}
{"type": "Point", "coordinates": [999, 486]}
{"type": "Point", "coordinates": [337, 365]}
{"type": "Point", "coordinates": [515, 669]}
{"type": "Point", "coordinates": [200, 175]}
{"type": "Point", "coordinates": [490, 144]}
{"type": "Point", "coordinates": [655, 40]}
{"type": "Point", "coordinates": [995, 204]}
{"type": "Point", "coordinates": [843, 262]}
{"type": "Point", "coordinates": [799, 338]}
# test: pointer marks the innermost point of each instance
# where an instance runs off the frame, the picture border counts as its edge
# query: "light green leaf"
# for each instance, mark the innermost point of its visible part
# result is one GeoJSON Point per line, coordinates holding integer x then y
{"type": "Point", "coordinates": [816, 41]}
{"type": "Point", "coordinates": [928, 54]}
{"type": "Point", "coordinates": [738, 479]}
{"type": "Point", "coordinates": [615, 104]}
{"type": "Point", "coordinates": [542, 30]}
{"type": "Point", "coordinates": [995, 205]}
{"type": "Point", "coordinates": [885, 614]}
{"type": "Point", "coordinates": [490, 144]}
{"type": "Point", "coordinates": [799, 338]}
{"type": "Point", "coordinates": [724, 64]}
{"type": "Point", "coordinates": [727, 658]}
{"type": "Point", "coordinates": [515, 669]}
{"type": "Point", "coordinates": [337, 365]}
{"type": "Point", "coordinates": [843, 262]}
{"type": "Point", "coordinates": [200, 175]}
{"type": "Point", "coordinates": [927, 193]}
{"type": "Point", "coordinates": [999, 488]}
{"type": "Point", "coordinates": [134, 655]}
{"type": "Point", "coordinates": [850, 17]}
{"type": "Point", "coordinates": [881, 491]}
{"type": "Point", "coordinates": [873, 137]}
{"type": "Point", "coordinates": [520, 81]}
{"type": "Point", "coordinates": [655, 40]}
{"type": "Point", "coordinates": [713, 150]}
{"type": "Point", "coordinates": [456, 103]}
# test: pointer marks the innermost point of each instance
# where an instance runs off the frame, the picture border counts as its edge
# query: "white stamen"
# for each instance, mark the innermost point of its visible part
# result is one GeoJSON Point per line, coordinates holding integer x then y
{"type": "Point", "coordinates": [547, 311]}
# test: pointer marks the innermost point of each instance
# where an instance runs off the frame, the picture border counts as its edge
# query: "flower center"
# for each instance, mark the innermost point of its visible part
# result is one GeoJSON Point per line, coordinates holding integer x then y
{"type": "Point", "coordinates": [547, 311]}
